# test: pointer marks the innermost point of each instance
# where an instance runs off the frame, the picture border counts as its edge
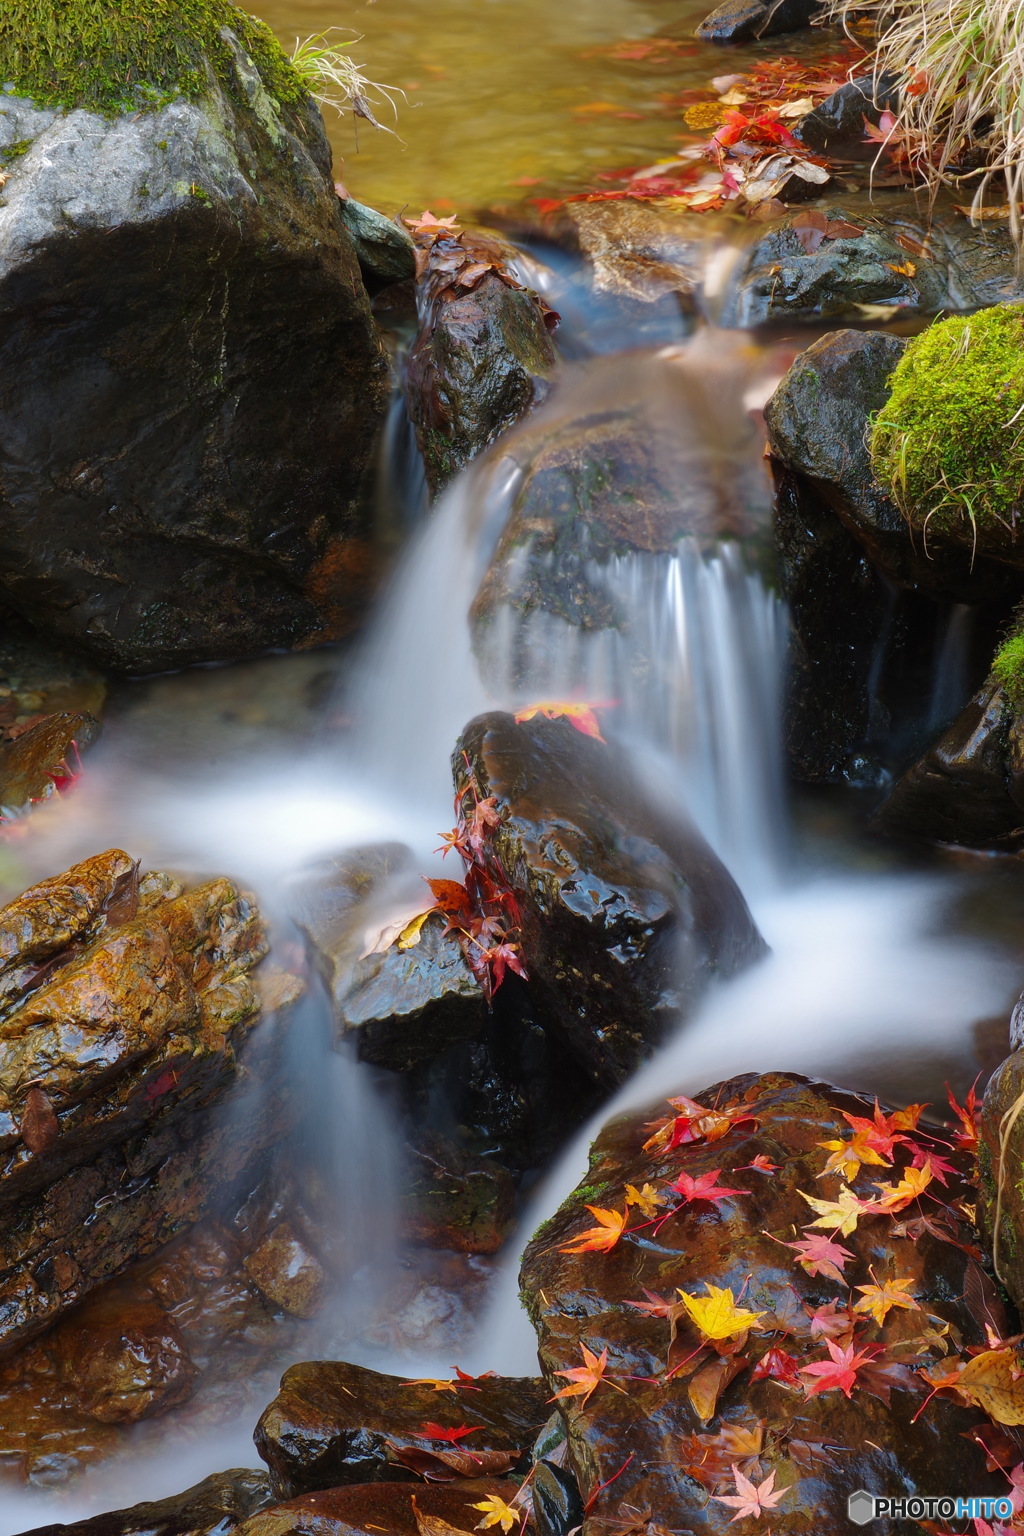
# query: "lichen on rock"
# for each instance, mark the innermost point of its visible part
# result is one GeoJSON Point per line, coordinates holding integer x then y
{"type": "Point", "coordinates": [949, 444]}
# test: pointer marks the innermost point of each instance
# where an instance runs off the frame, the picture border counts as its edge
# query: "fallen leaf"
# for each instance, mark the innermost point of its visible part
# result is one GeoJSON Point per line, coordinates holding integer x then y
{"type": "Point", "coordinates": [839, 1372]}
{"type": "Point", "coordinates": [717, 1315]}
{"type": "Point", "coordinates": [706, 1386]}
{"type": "Point", "coordinates": [427, 224]}
{"type": "Point", "coordinates": [710, 1458]}
{"type": "Point", "coordinates": [580, 716]}
{"type": "Point", "coordinates": [603, 1237]}
{"type": "Point", "coordinates": [585, 1379]}
{"type": "Point", "coordinates": [704, 1187]}
{"type": "Point", "coordinates": [821, 1256]}
{"type": "Point", "coordinates": [434, 1525]}
{"type": "Point", "coordinates": [748, 1501]}
{"type": "Point", "coordinates": [994, 1381]}
{"type": "Point", "coordinates": [841, 1215]}
{"type": "Point", "coordinates": [896, 1197]}
{"type": "Point", "coordinates": [436, 1466]}
{"type": "Point", "coordinates": [380, 938]}
{"type": "Point", "coordinates": [776, 1365]}
{"type": "Point", "coordinates": [967, 1114]}
{"type": "Point", "coordinates": [434, 1431]}
{"type": "Point", "coordinates": [902, 268]}
{"type": "Point", "coordinates": [436, 1382]}
{"type": "Point", "coordinates": [39, 1126]}
{"type": "Point", "coordinates": [878, 1300]}
{"type": "Point", "coordinates": [497, 1512]}
{"type": "Point", "coordinates": [647, 1199]}
{"type": "Point", "coordinates": [847, 1156]}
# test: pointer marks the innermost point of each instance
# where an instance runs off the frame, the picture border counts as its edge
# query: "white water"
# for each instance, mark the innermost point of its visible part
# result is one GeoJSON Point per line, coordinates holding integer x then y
{"type": "Point", "coordinates": [861, 985]}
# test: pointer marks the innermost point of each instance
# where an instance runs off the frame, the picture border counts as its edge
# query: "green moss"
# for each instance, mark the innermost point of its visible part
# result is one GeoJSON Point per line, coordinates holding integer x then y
{"type": "Point", "coordinates": [949, 444]}
{"type": "Point", "coordinates": [1008, 669]}
{"type": "Point", "coordinates": [122, 55]}
{"type": "Point", "coordinates": [15, 151]}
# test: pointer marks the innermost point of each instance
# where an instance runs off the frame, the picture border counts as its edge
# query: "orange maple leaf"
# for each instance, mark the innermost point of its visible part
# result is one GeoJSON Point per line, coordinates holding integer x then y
{"type": "Point", "coordinates": [580, 716]}
{"type": "Point", "coordinates": [586, 1378]}
{"type": "Point", "coordinates": [896, 1197]}
{"type": "Point", "coordinates": [427, 224]}
{"type": "Point", "coordinates": [599, 1239]}
{"type": "Point", "coordinates": [880, 1299]}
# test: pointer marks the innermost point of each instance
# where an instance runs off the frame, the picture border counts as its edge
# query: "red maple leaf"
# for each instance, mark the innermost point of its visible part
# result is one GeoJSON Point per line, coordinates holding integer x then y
{"type": "Point", "coordinates": [839, 1372]}
{"type": "Point", "coordinates": [819, 1255]}
{"type": "Point", "coordinates": [432, 1431]}
{"type": "Point", "coordinates": [704, 1187]}
{"type": "Point", "coordinates": [880, 1134]}
{"type": "Point", "coordinates": [923, 1158]}
{"type": "Point", "coordinates": [966, 1113]}
{"type": "Point", "coordinates": [776, 1365]}
{"type": "Point", "coordinates": [830, 1321]}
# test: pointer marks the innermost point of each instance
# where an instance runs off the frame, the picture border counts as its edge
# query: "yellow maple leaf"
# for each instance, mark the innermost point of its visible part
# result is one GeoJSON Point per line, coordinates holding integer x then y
{"type": "Point", "coordinates": [647, 1199]}
{"type": "Point", "coordinates": [717, 1315]}
{"type": "Point", "coordinates": [838, 1215]}
{"type": "Point", "coordinates": [896, 1197]}
{"type": "Point", "coordinates": [599, 1239]}
{"type": "Point", "coordinates": [847, 1156]}
{"type": "Point", "coordinates": [880, 1299]}
{"type": "Point", "coordinates": [497, 1512]}
{"type": "Point", "coordinates": [413, 931]}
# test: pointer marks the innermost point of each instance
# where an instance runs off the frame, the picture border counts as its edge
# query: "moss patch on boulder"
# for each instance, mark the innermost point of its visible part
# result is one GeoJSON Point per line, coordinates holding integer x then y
{"type": "Point", "coordinates": [1008, 669]}
{"type": "Point", "coordinates": [122, 55]}
{"type": "Point", "coordinates": [949, 444]}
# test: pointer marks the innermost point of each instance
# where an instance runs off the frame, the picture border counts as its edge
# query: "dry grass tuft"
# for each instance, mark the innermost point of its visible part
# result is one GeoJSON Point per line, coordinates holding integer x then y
{"type": "Point", "coordinates": [961, 66]}
{"type": "Point", "coordinates": [334, 79]}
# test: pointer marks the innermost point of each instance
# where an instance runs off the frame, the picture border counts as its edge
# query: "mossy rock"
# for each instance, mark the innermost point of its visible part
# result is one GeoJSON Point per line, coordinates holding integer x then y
{"type": "Point", "coordinates": [949, 443]}
{"type": "Point", "coordinates": [122, 55]}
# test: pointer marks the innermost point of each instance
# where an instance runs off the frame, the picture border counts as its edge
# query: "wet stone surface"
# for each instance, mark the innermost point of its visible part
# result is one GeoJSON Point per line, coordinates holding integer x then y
{"type": "Point", "coordinates": [212, 1508]}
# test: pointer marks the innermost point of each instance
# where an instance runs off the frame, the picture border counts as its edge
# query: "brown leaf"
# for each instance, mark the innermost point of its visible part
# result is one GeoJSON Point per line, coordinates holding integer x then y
{"type": "Point", "coordinates": [707, 1385]}
{"type": "Point", "coordinates": [911, 246]}
{"type": "Point", "coordinates": [123, 902]}
{"type": "Point", "coordinates": [842, 229]}
{"type": "Point", "coordinates": [995, 1382]}
{"type": "Point", "coordinates": [710, 1458]}
{"type": "Point", "coordinates": [472, 274]}
{"type": "Point", "coordinates": [433, 1525]}
{"type": "Point", "coordinates": [445, 1466]}
{"type": "Point", "coordinates": [39, 1127]}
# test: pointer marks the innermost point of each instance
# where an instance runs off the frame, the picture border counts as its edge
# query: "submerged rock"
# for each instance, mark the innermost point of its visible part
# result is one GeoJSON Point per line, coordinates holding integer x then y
{"type": "Point", "coordinates": [627, 915]}
{"type": "Point", "coordinates": [482, 357]}
{"type": "Point", "coordinates": [211, 1508]}
{"type": "Point", "coordinates": [191, 377]}
{"type": "Point", "coordinates": [333, 1423]}
{"type": "Point", "coordinates": [359, 1510]}
{"type": "Point", "coordinates": [692, 1405]}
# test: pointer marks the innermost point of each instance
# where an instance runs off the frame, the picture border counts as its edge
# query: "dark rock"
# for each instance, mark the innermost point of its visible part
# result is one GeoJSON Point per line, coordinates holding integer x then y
{"type": "Point", "coordinates": [967, 788]}
{"type": "Point", "coordinates": [333, 1423]}
{"type": "Point", "coordinates": [359, 1510]}
{"type": "Point", "coordinates": [384, 251]}
{"type": "Point", "coordinates": [183, 444]}
{"type": "Point", "coordinates": [817, 422]}
{"type": "Point", "coordinates": [38, 678]}
{"type": "Point", "coordinates": [739, 21]}
{"type": "Point", "coordinates": [825, 1444]}
{"type": "Point", "coordinates": [481, 360]}
{"type": "Point", "coordinates": [631, 456]}
{"type": "Point", "coordinates": [455, 1200]}
{"type": "Point", "coordinates": [403, 1006]}
{"type": "Point", "coordinates": [838, 123]}
{"type": "Point", "coordinates": [627, 915]}
{"type": "Point", "coordinates": [39, 762]}
{"type": "Point", "coordinates": [557, 1506]}
{"type": "Point", "coordinates": [211, 1508]}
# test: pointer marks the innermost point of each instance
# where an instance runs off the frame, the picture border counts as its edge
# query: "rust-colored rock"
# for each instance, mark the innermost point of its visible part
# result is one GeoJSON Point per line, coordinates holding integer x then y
{"type": "Point", "coordinates": [334, 1423]}
{"type": "Point", "coordinates": [37, 763]}
{"type": "Point", "coordinates": [285, 1271]}
{"type": "Point", "coordinates": [821, 1447]}
{"type": "Point", "coordinates": [124, 1361]}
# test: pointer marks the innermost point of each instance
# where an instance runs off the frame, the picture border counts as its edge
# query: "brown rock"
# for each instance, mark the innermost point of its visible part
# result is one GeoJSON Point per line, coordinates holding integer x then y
{"type": "Point", "coordinates": [333, 1423]}
{"type": "Point", "coordinates": [671, 1389]}
{"type": "Point", "coordinates": [211, 1508]}
{"type": "Point", "coordinates": [368, 1509]}
{"type": "Point", "coordinates": [39, 762]}
{"type": "Point", "coordinates": [284, 1270]}
{"type": "Point", "coordinates": [124, 1360]}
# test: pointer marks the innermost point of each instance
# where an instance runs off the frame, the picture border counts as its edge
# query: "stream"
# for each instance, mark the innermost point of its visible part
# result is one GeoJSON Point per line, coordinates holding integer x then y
{"type": "Point", "coordinates": [881, 962]}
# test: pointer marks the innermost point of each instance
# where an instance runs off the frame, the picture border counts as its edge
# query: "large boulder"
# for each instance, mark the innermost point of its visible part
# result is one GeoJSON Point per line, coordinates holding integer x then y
{"type": "Point", "coordinates": [482, 356]}
{"type": "Point", "coordinates": [333, 1423]}
{"type": "Point", "coordinates": [626, 914]}
{"type": "Point", "coordinates": [1000, 1128]}
{"type": "Point", "coordinates": [814, 1389]}
{"type": "Point", "coordinates": [192, 380]}
{"type": "Point", "coordinates": [211, 1508]}
{"type": "Point", "coordinates": [358, 1510]}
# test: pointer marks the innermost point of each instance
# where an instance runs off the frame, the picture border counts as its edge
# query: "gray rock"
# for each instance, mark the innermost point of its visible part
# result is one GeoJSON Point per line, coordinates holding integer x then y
{"type": "Point", "coordinates": [739, 21]}
{"type": "Point", "coordinates": [190, 379]}
{"type": "Point", "coordinates": [384, 251]}
{"type": "Point", "coordinates": [210, 1508]}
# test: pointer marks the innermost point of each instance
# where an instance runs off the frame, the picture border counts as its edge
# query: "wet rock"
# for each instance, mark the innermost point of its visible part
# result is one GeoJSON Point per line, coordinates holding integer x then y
{"type": "Point", "coordinates": [968, 788]}
{"type": "Point", "coordinates": [1001, 1169]}
{"type": "Point", "coordinates": [557, 1506]}
{"type": "Point", "coordinates": [817, 421]}
{"type": "Point", "coordinates": [627, 915]}
{"type": "Point", "coordinates": [42, 760]}
{"type": "Point", "coordinates": [640, 251]}
{"type": "Point", "coordinates": [629, 458]}
{"type": "Point", "coordinates": [181, 478]}
{"type": "Point", "coordinates": [739, 21]}
{"type": "Point", "coordinates": [359, 1510]}
{"type": "Point", "coordinates": [838, 123]}
{"type": "Point", "coordinates": [455, 1200]}
{"type": "Point", "coordinates": [384, 251]}
{"type": "Point", "coordinates": [284, 1270]}
{"type": "Point", "coordinates": [124, 1363]}
{"type": "Point", "coordinates": [211, 1508]}
{"type": "Point", "coordinates": [333, 1423]}
{"type": "Point", "coordinates": [403, 1006]}
{"type": "Point", "coordinates": [482, 357]}
{"type": "Point", "coordinates": [38, 678]}
{"type": "Point", "coordinates": [821, 1446]}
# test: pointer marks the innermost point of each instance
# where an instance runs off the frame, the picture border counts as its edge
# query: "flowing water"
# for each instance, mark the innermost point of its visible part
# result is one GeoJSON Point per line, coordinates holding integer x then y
{"type": "Point", "coordinates": [876, 976]}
